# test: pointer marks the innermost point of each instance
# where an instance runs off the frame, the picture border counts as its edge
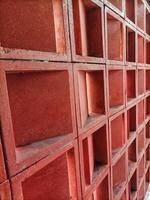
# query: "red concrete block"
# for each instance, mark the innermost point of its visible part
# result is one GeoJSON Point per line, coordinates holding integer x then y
{"type": "Point", "coordinates": [2, 165]}
{"type": "Point", "coordinates": [141, 142]}
{"type": "Point", "coordinates": [147, 156]}
{"type": "Point", "coordinates": [133, 186]}
{"type": "Point", "coordinates": [131, 85]}
{"type": "Point", "coordinates": [141, 81]}
{"type": "Point", "coordinates": [147, 107]}
{"type": "Point", "coordinates": [115, 38]}
{"type": "Point", "coordinates": [119, 177]}
{"type": "Point", "coordinates": [116, 92]}
{"type": "Point", "coordinates": [141, 170]}
{"type": "Point", "coordinates": [90, 90]}
{"type": "Point", "coordinates": [147, 75]}
{"type": "Point", "coordinates": [148, 130]}
{"type": "Point", "coordinates": [140, 15]}
{"type": "Point", "coordinates": [5, 192]}
{"type": "Point", "coordinates": [130, 44]}
{"type": "Point", "coordinates": [118, 135]}
{"type": "Point", "coordinates": [34, 123]}
{"type": "Point", "coordinates": [141, 193]}
{"type": "Point", "coordinates": [148, 20]}
{"type": "Point", "coordinates": [141, 112]}
{"type": "Point", "coordinates": [101, 190]}
{"type": "Point", "coordinates": [87, 30]}
{"type": "Point", "coordinates": [147, 179]}
{"type": "Point", "coordinates": [117, 6]}
{"type": "Point", "coordinates": [131, 121]}
{"type": "Point", "coordinates": [132, 157]}
{"type": "Point", "coordinates": [147, 51]}
{"type": "Point", "coordinates": [94, 155]}
{"type": "Point", "coordinates": [55, 177]}
{"type": "Point", "coordinates": [140, 49]}
{"type": "Point", "coordinates": [35, 30]}
{"type": "Point", "coordinates": [130, 11]}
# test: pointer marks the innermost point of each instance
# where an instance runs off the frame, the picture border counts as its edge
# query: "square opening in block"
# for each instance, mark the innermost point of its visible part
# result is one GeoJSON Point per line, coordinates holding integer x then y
{"type": "Point", "coordinates": [141, 49]}
{"type": "Point", "coordinates": [141, 113]}
{"type": "Point", "coordinates": [131, 84]}
{"type": "Point", "coordinates": [133, 186]}
{"type": "Point", "coordinates": [101, 191]}
{"type": "Point", "coordinates": [132, 157]}
{"type": "Point", "coordinates": [114, 38]}
{"type": "Point", "coordinates": [130, 10]}
{"type": "Point", "coordinates": [141, 141]}
{"type": "Point", "coordinates": [45, 183]}
{"type": "Point", "coordinates": [147, 104]}
{"type": "Point", "coordinates": [40, 112]}
{"type": "Point", "coordinates": [140, 14]}
{"type": "Point", "coordinates": [147, 52]}
{"type": "Point", "coordinates": [148, 130]}
{"type": "Point", "coordinates": [141, 191]}
{"type": "Point", "coordinates": [148, 21]}
{"type": "Point", "coordinates": [148, 155]}
{"type": "Point", "coordinates": [141, 168]}
{"type": "Point", "coordinates": [95, 154]}
{"type": "Point", "coordinates": [141, 81]}
{"type": "Point", "coordinates": [115, 90]}
{"type": "Point", "coordinates": [117, 4]}
{"type": "Point", "coordinates": [131, 122]}
{"type": "Point", "coordinates": [88, 28]}
{"type": "Point", "coordinates": [147, 80]}
{"type": "Point", "coordinates": [118, 134]}
{"type": "Point", "coordinates": [130, 45]}
{"type": "Point", "coordinates": [91, 95]}
{"type": "Point", "coordinates": [31, 25]}
{"type": "Point", "coordinates": [119, 175]}
{"type": "Point", "coordinates": [147, 179]}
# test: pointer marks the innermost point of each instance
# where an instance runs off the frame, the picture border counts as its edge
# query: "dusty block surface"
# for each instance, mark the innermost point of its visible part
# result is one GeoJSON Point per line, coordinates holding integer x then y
{"type": "Point", "coordinates": [25, 33]}
{"type": "Point", "coordinates": [90, 92]}
{"type": "Point", "coordinates": [115, 49]}
{"type": "Point", "coordinates": [37, 123]}
{"type": "Point", "coordinates": [46, 176]}
{"type": "Point", "coordinates": [94, 151]}
{"type": "Point", "coordinates": [115, 91]}
{"type": "Point", "coordinates": [87, 30]}
{"type": "Point", "coordinates": [118, 134]}
{"type": "Point", "coordinates": [5, 192]}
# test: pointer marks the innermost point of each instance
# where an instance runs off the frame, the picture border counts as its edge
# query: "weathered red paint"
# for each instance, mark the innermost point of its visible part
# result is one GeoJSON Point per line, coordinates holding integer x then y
{"type": "Point", "coordinates": [87, 38]}
{"type": "Point", "coordinates": [119, 176]}
{"type": "Point", "coordinates": [38, 115]}
{"type": "Point", "coordinates": [94, 155]}
{"type": "Point", "coordinates": [114, 28]}
{"type": "Point", "coordinates": [118, 134]}
{"type": "Point", "coordinates": [116, 92]}
{"type": "Point", "coordinates": [131, 121]}
{"type": "Point", "coordinates": [130, 13]}
{"type": "Point", "coordinates": [101, 190]}
{"type": "Point", "coordinates": [131, 85]}
{"type": "Point", "coordinates": [54, 177]}
{"type": "Point", "coordinates": [90, 92]}
{"type": "Point", "coordinates": [133, 186]}
{"type": "Point", "coordinates": [34, 30]}
{"type": "Point", "coordinates": [5, 191]}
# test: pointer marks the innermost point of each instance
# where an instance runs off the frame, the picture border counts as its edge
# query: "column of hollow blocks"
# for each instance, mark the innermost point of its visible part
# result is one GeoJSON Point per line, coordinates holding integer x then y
{"type": "Point", "coordinates": [112, 97]}
{"type": "Point", "coordinates": [74, 99]}
{"type": "Point", "coordinates": [37, 103]}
